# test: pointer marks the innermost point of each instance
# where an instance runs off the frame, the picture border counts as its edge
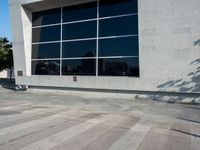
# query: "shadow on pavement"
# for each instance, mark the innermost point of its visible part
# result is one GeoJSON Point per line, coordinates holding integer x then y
{"type": "Point", "coordinates": [7, 83]}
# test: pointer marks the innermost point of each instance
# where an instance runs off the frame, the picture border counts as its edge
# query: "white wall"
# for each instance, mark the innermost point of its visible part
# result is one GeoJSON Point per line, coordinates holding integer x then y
{"type": "Point", "coordinates": [169, 58]}
{"type": "Point", "coordinates": [6, 74]}
{"type": "Point", "coordinates": [3, 74]}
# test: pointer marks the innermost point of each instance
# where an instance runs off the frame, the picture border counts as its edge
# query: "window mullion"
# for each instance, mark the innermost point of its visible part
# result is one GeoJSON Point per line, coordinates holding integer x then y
{"type": "Point", "coordinates": [61, 41]}
{"type": "Point", "coordinates": [97, 44]}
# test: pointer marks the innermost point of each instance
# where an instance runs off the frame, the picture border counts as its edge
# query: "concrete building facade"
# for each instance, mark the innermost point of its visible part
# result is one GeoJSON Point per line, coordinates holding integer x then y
{"type": "Point", "coordinates": [168, 47]}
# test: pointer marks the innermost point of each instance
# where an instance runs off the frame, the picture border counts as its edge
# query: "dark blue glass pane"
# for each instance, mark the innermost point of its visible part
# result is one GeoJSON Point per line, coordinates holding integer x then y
{"type": "Point", "coordinates": [46, 17]}
{"type": "Point", "coordinates": [80, 12]}
{"type": "Point", "coordinates": [41, 51]}
{"type": "Point", "coordinates": [79, 67]}
{"type": "Point", "coordinates": [46, 67]}
{"type": "Point", "coordinates": [80, 30]}
{"type": "Point", "coordinates": [117, 7]}
{"type": "Point", "coordinates": [126, 46]}
{"type": "Point", "coordinates": [119, 26]}
{"type": "Point", "coordinates": [119, 67]}
{"type": "Point", "coordinates": [46, 34]}
{"type": "Point", "coordinates": [79, 49]}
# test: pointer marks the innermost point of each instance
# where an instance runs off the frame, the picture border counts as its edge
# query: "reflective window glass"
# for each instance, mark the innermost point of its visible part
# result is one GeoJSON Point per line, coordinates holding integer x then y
{"type": "Point", "coordinates": [126, 46]}
{"type": "Point", "coordinates": [118, 26]}
{"type": "Point", "coordinates": [118, 45]}
{"type": "Point", "coordinates": [117, 7]}
{"type": "Point", "coordinates": [79, 49]}
{"type": "Point", "coordinates": [46, 17]}
{"type": "Point", "coordinates": [80, 12]}
{"type": "Point", "coordinates": [80, 30]}
{"type": "Point", "coordinates": [119, 67]}
{"type": "Point", "coordinates": [46, 34]}
{"type": "Point", "coordinates": [50, 50]}
{"type": "Point", "coordinates": [46, 67]}
{"type": "Point", "coordinates": [79, 67]}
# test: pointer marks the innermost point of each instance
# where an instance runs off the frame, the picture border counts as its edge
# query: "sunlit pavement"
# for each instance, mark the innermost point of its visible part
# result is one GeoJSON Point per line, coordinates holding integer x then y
{"type": "Point", "coordinates": [95, 121]}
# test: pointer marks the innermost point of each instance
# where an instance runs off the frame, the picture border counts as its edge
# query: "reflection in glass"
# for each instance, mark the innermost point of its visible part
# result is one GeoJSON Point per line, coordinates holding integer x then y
{"type": "Point", "coordinates": [50, 50]}
{"type": "Point", "coordinates": [126, 46]}
{"type": "Point", "coordinates": [45, 34]}
{"type": "Point", "coordinates": [80, 30]}
{"type": "Point", "coordinates": [80, 12]}
{"type": "Point", "coordinates": [46, 67]}
{"type": "Point", "coordinates": [119, 67]}
{"type": "Point", "coordinates": [117, 7]}
{"type": "Point", "coordinates": [79, 67]}
{"type": "Point", "coordinates": [46, 17]}
{"type": "Point", "coordinates": [118, 26]}
{"type": "Point", "coordinates": [76, 42]}
{"type": "Point", "coordinates": [79, 49]}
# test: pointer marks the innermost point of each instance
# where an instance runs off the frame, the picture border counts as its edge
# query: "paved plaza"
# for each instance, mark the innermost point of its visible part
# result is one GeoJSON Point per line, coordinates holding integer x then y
{"type": "Point", "coordinates": [36, 120]}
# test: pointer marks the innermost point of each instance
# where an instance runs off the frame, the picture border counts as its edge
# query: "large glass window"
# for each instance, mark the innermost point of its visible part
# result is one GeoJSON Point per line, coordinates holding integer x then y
{"type": "Point", "coordinates": [46, 67]}
{"type": "Point", "coordinates": [96, 38]}
{"type": "Point", "coordinates": [118, 26]}
{"type": "Point", "coordinates": [46, 17]}
{"type": "Point", "coordinates": [119, 67]}
{"type": "Point", "coordinates": [124, 46]}
{"type": "Point", "coordinates": [79, 49]}
{"type": "Point", "coordinates": [79, 67]}
{"type": "Point", "coordinates": [80, 30]}
{"type": "Point", "coordinates": [117, 7]}
{"type": "Point", "coordinates": [46, 34]}
{"type": "Point", "coordinates": [80, 12]}
{"type": "Point", "coordinates": [50, 50]}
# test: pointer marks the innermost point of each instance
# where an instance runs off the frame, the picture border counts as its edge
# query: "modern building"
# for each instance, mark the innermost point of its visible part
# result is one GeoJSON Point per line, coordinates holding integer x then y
{"type": "Point", "coordinates": [137, 45]}
{"type": "Point", "coordinates": [7, 74]}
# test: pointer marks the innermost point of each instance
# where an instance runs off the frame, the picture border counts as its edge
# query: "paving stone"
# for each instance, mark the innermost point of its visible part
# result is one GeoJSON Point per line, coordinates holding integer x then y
{"type": "Point", "coordinates": [178, 140]}
{"type": "Point", "coordinates": [90, 135]}
{"type": "Point", "coordinates": [153, 141]}
{"type": "Point", "coordinates": [131, 125]}
{"type": "Point", "coordinates": [65, 135]}
{"type": "Point", "coordinates": [195, 140]}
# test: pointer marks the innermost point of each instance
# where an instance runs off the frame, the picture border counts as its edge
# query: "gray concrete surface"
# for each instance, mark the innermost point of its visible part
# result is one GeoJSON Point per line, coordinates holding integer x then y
{"type": "Point", "coordinates": [168, 47]}
{"type": "Point", "coordinates": [72, 120]}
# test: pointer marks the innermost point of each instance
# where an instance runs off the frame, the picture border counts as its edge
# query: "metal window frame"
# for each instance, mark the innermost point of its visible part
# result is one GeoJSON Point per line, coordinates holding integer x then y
{"type": "Point", "coordinates": [85, 20]}
{"type": "Point", "coordinates": [101, 57]}
{"type": "Point", "coordinates": [97, 38]}
{"type": "Point", "coordinates": [61, 35]}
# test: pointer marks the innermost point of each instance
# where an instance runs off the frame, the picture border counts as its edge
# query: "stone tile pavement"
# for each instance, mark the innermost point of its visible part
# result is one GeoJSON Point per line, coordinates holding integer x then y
{"type": "Point", "coordinates": [33, 121]}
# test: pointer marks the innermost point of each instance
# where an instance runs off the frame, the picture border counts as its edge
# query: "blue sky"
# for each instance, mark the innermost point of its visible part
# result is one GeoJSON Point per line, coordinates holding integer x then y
{"type": "Point", "coordinates": [4, 20]}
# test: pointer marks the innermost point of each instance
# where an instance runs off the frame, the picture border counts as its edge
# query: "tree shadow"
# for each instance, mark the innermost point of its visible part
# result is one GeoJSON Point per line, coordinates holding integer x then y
{"type": "Point", "coordinates": [7, 83]}
{"type": "Point", "coordinates": [196, 42]}
{"type": "Point", "coordinates": [189, 87]}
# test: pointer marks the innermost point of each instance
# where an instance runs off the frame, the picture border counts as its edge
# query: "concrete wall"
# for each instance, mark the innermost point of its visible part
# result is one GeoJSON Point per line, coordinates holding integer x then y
{"type": "Point", "coordinates": [3, 74]}
{"type": "Point", "coordinates": [6, 74]}
{"type": "Point", "coordinates": [169, 37]}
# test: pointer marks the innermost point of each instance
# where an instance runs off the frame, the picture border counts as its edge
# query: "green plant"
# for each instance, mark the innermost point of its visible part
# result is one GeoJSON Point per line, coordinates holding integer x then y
{"type": "Point", "coordinates": [6, 55]}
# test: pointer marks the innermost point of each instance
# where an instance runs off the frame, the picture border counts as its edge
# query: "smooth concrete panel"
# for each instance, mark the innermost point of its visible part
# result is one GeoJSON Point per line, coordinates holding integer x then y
{"type": "Point", "coordinates": [17, 37]}
{"type": "Point", "coordinates": [169, 47]}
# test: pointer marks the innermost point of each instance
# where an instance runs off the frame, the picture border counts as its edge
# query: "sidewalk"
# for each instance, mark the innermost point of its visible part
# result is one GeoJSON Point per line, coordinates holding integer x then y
{"type": "Point", "coordinates": [86, 121]}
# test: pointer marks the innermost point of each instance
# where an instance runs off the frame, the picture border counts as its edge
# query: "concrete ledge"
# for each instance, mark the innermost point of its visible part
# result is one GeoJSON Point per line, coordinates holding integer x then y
{"type": "Point", "coordinates": [172, 97]}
